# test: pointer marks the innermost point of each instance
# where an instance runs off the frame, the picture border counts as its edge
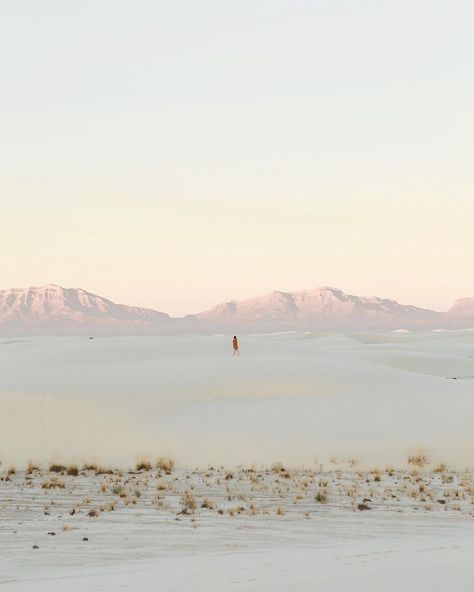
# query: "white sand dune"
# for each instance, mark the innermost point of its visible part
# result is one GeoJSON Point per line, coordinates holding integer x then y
{"type": "Point", "coordinates": [290, 397]}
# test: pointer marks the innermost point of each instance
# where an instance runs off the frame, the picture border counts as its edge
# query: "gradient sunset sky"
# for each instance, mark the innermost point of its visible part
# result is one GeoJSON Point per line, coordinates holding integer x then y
{"type": "Point", "coordinates": [175, 154]}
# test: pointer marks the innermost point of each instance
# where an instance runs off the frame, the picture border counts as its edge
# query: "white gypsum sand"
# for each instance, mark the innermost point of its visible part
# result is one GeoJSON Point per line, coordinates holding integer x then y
{"type": "Point", "coordinates": [240, 528]}
{"type": "Point", "coordinates": [289, 397]}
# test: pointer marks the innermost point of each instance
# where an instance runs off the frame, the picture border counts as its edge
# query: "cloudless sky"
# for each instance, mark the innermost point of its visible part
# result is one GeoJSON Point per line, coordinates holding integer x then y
{"type": "Point", "coordinates": [177, 153]}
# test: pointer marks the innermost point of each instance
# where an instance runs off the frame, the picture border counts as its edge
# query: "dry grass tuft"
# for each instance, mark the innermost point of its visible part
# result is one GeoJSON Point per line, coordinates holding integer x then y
{"type": "Point", "coordinates": [208, 503]}
{"type": "Point", "coordinates": [165, 464]}
{"type": "Point", "coordinates": [31, 467]}
{"type": "Point", "coordinates": [57, 468]}
{"type": "Point", "coordinates": [278, 468]}
{"type": "Point", "coordinates": [188, 503]}
{"type": "Point", "coordinates": [162, 485]}
{"type": "Point", "coordinates": [143, 464]}
{"type": "Point", "coordinates": [321, 497]}
{"type": "Point", "coordinates": [418, 460]}
{"type": "Point", "coordinates": [101, 470]}
{"type": "Point", "coordinates": [53, 484]}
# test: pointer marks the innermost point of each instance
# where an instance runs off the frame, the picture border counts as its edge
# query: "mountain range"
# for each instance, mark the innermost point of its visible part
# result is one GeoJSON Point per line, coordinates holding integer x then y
{"type": "Point", "coordinates": [53, 309]}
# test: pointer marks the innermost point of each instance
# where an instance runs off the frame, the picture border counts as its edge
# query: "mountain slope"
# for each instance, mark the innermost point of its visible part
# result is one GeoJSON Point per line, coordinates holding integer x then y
{"type": "Point", "coordinates": [461, 312]}
{"type": "Point", "coordinates": [55, 306]}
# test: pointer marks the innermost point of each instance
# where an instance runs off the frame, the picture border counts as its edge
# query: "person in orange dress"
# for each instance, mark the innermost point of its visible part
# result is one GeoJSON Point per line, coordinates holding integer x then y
{"type": "Point", "coordinates": [235, 345]}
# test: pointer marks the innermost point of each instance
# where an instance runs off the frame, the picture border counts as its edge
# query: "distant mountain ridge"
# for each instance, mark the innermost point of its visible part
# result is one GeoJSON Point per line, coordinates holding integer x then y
{"type": "Point", "coordinates": [52, 308]}
{"type": "Point", "coordinates": [323, 305]}
{"type": "Point", "coordinates": [53, 305]}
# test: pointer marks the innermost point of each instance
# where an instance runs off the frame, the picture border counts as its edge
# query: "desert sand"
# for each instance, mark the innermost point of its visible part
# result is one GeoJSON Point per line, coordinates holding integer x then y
{"type": "Point", "coordinates": [340, 462]}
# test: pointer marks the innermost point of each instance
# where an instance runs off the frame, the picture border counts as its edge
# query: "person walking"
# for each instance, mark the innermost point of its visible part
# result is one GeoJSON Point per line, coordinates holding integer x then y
{"type": "Point", "coordinates": [235, 345]}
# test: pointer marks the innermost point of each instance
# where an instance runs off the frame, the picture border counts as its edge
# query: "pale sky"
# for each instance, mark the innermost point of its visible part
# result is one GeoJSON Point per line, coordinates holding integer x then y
{"type": "Point", "coordinates": [175, 154]}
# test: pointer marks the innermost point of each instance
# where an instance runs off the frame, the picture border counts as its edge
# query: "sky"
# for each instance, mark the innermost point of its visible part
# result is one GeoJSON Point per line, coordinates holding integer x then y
{"type": "Point", "coordinates": [177, 153]}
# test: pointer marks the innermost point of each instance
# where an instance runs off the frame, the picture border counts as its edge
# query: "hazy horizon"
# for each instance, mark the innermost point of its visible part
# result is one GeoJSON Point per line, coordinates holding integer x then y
{"type": "Point", "coordinates": [176, 155]}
